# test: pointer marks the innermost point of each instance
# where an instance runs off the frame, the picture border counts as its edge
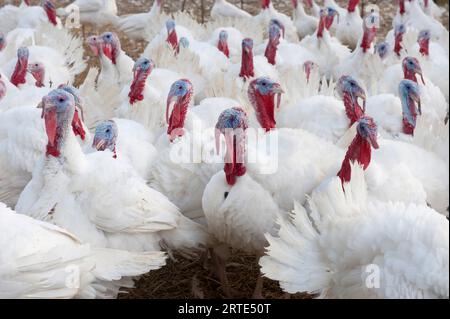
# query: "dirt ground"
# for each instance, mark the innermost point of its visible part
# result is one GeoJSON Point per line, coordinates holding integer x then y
{"type": "Point", "coordinates": [187, 278]}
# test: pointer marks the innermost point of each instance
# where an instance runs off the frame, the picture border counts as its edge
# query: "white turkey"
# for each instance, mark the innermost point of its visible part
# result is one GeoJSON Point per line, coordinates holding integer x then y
{"type": "Point", "coordinates": [26, 16]}
{"type": "Point", "coordinates": [305, 24]}
{"type": "Point", "coordinates": [223, 8]}
{"type": "Point", "coordinates": [42, 261]}
{"type": "Point", "coordinates": [94, 12]}
{"type": "Point", "coordinates": [98, 198]}
{"type": "Point", "coordinates": [328, 51]}
{"type": "Point", "coordinates": [348, 246]}
{"type": "Point", "coordinates": [349, 29]}
{"type": "Point", "coordinates": [140, 26]}
{"type": "Point", "coordinates": [22, 143]}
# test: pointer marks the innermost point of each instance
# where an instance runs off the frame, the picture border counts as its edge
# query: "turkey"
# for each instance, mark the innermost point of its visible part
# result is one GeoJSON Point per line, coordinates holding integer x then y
{"type": "Point", "coordinates": [268, 13]}
{"type": "Point", "coordinates": [281, 53]}
{"type": "Point", "coordinates": [434, 59]}
{"type": "Point", "coordinates": [177, 49]}
{"type": "Point", "coordinates": [60, 52]}
{"type": "Point", "coordinates": [362, 63]}
{"type": "Point", "coordinates": [416, 18]}
{"type": "Point", "coordinates": [311, 113]}
{"type": "Point", "coordinates": [223, 8]}
{"type": "Point", "coordinates": [397, 170]}
{"type": "Point", "coordinates": [312, 252]}
{"type": "Point", "coordinates": [94, 12]}
{"type": "Point", "coordinates": [186, 160]}
{"type": "Point", "coordinates": [77, 193]}
{"type": "Point", "coordinates": [26, 16]}
{"type": "Point", "coordinates": [349, 30]}
{"type": "Point", "coordinates": [122, 64]}
{"type": "Point", "coordinates": [22, 143]}
{"type": "Point", "coordinates": [411, 69]}
{"type": "Point", "coordinates": [234, 82]}
{"type": "Point", "coordinates": [432, 9]}
{"type": "Point", "coordinates": [305, 24]}
{"type": "Point", "coordinates": [42, 261]}
{"type": "Point", "coordinates": [328, 51]}
{"type": "Point", "coordinates": [144, 100]}
{"type": "Point", "coordinates": [127, 140]}
{"type": "Point", "coordinates": [275, 177]}
{"type": "Point", "coordinates": [139, 26]}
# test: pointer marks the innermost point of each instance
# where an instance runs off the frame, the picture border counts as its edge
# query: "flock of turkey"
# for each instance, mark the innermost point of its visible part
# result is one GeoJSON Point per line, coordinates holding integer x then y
{"type": "Point", "coordinates": [90, 188]}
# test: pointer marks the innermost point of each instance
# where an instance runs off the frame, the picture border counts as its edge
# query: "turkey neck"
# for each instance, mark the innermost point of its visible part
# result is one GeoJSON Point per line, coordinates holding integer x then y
{"type": "Point", "coordinates": [359, 151]}
{"type": "Point", "coordinates": [247, 67]}
{"type": "Point", "coordinates": [352, 108]}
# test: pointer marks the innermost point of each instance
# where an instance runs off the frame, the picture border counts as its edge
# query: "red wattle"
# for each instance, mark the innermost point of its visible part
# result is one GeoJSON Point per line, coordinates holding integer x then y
{"type": "Point", "coordinates": [77, 126]}
{"type": "Point", "coordinates": [271, 53]}
{"type": "Point", "coordinates": [266, 113]}
{"type": "Point", "coordinates": [401, 5]}
{"type": "Point", "coordinates": [369, 36]}
{"type": "Point", "coordinates": [424, 47]}
{"type": "Point", "coordinates": [234, 169]}
{"type": "Point", "coordinates": [19, 75]}
{"type": "Point", "coordinates": [360, 151]}
{"type": "Point", "coordinates": [176, 121]}
{"type": "Point", "coordinates": [410, 75]}
{"type": "Point", "coordinates": [247, 67]}
{"type": "Point", "coordinates": [398, 44]}
{"type": "Point", "coordinates": [136, 90]}
{"type": "Point", "coordinates": [265, 4]}
{"type": "Point", "coordinates": [51, 14]}
{"type": "Point", "coordinates": [52, 133]}
{"type": "Point", "coordinates": [321, 28]}
{"type": "Point", "coordinates": [408, 129]}
{"type": "Point", "coordinates": [352, 109]}
{"type": "Point", "coordinates": [223, 47]}
{"type": "Point", "coordinates": [352, 4]}
{"type": "Point", "coordinates": [172, 39]}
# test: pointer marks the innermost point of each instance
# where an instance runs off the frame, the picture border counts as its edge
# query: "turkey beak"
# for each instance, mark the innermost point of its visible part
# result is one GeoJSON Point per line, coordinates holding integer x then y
{"type": "Point", "coordinates": [278, 91]}
{"type": "Point", "coordinates": [419, 71]}
{"type": "Point", "coordinates": [2, 89]}
{"type": "Point", "coordinates": [93, 45]}
{"type": "Point", "coordinates": [217, 134]}
{"type": "Point", "coordinates": [229, 141]}
{"type": "Point", "coordinates": [373, 138]}
{"type": "Point", "coordinates": [416, 98]}
{"type": "Point", "coordinates": [50, 118]}
{"type": "Point", "coordinates": [107, 50]}
{"type": "Point", "coordinates": [79, 109]}
{"type": "Point", "coordinates": [171, 102]}
{"type": "Point", "coordinates": [41, 106]}
{"type": "Point", "coordinates": [360, 93]}
{"type": "Point", "coordinates": [99, 144]}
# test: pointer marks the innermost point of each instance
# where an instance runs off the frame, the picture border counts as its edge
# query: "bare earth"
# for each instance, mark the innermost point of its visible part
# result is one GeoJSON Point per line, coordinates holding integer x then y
{"type": "Point", "coordinates": [184, 278]}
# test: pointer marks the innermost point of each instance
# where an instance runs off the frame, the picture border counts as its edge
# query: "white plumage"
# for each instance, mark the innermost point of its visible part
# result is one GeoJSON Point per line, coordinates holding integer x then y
{"type": "Point", "coordinates": [40, 260]}
{"type": "Point", "coordinates": [223, 8]}
{"type": "Point", "coordinates": [351, 247]}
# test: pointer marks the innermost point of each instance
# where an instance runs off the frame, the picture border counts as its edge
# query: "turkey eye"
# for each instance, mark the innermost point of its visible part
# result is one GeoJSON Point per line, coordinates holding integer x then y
{"type": "Point", "coordinates": [107, 131]}
{"type": "Point", "coordinates": [61, 99]}
{"type": "Point", "coordinates": [180, 88]}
